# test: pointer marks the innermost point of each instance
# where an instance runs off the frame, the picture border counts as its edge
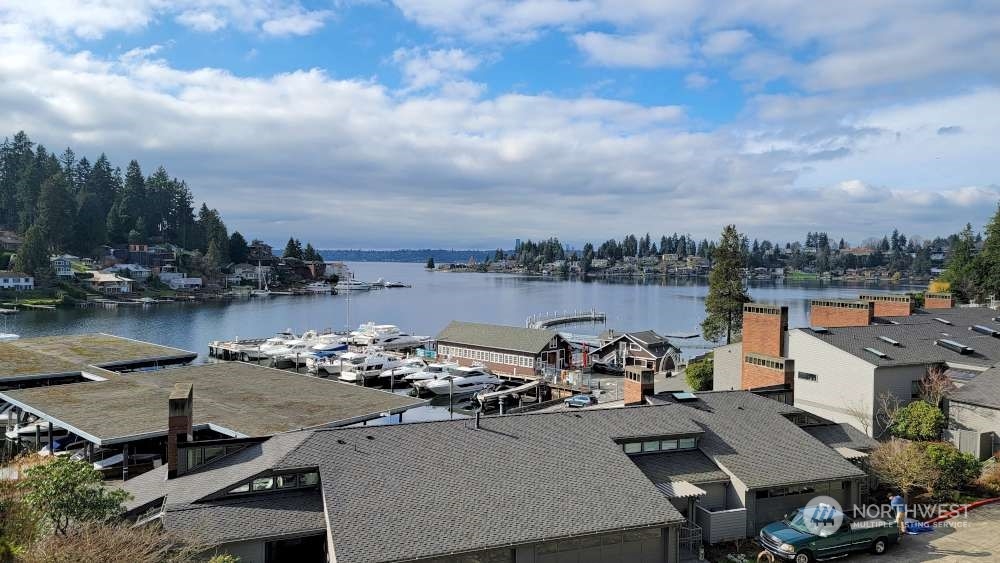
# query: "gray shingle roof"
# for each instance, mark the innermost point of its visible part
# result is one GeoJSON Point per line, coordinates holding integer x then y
{"type": "Point", "coordinates": [842, 435]}
{"type": "Point", "coordinates": [984, 390]}
{"type": "Point", "coordinates": [747, 436]}
{"type": "Point", "coordinates": [447, 487]}
{"type": "Point", "coordinates": [692, 466]}
{"type": "Point", "coordinates": [916, 335]}
{"type": "Point", "coordinates": [243, 518]}
{"type": "Point", "coordinates": [501, 337]}
{"type": "Point", "coordinates": [207, 479]}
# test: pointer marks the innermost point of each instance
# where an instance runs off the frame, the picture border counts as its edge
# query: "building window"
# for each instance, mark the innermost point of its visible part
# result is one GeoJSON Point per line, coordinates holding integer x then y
{"type": "Point", "coordinates": [686, 444]}
{"type": "Point", "coordinates": [633, 448]}
{"type": "Point", "coordinates": [288, 481]}
{"type": "Point", "coordinates": [310, 479]}
{"type": "Point", "coordinates": [667, 445]}
{"type": "Point", "coordinates": [244, 488]}
{"type": "Point", "coordinates": [807, 376]}
{"type": "Point", "coordinates": [262, 484]}
{"type": "Point", "coordinates": [915, 389]}
{"type": "Point", "coordinates": [650, 446]}
{"type": "Point", "coordinates": [653, 446]}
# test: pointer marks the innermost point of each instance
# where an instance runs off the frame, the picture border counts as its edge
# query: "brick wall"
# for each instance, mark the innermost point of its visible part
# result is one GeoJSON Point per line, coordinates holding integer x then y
{"type": "Point", "coordinates": [638, 383]}
{"type": "Point", "coordinates": [764, 329]}
{"type": "Point", "coordinates": [180, 418]}
{"type": "Point", "coordinates": [837, 315]}
{"type": "Point", "coordinates": [755, 376]}
{"type": "Point", "coordinates": [939, 301]}
{"type": "Point", "coordinates": [892, 309]}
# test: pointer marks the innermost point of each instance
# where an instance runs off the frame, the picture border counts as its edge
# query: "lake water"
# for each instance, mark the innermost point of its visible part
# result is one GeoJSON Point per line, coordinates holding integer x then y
{"type": "Point", "coordinates": [671, 307]}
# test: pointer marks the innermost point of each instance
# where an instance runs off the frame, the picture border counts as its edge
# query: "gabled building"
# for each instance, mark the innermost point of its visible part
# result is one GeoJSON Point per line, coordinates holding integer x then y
{"type": "Point", "coordinates": [508, 350]}
{"type": "Point", "coordinates": [672, 474]}
{"type": "Point", "coordinates": [62, 265]}
{"type": "Point", "coordinates": [646, 349]}
{"type": "Point", "coordinates": [135, 272]}
{"type": "Point", "coordinates": [108, 284]}
{"type": "Point", "coordinates": [18, 281]}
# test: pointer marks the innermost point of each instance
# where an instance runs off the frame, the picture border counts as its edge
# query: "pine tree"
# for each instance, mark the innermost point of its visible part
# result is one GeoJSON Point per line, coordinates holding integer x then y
{"type": "Point", "coordinates": [961, 272]}
{"type": "Point", "coordinates": [726, 290]}
{"type": "Point", "coordinates": [56, 212]}
{"type": "Point", "coordinates": [293, 249]}
{"type": "Point", "coordinates": [238, 248]}
{"type": "Point", "coordinates": [987, 264]}
{"type": "Point", "coordinates": [430, 263]}
{"type": "Point", "coordinates": [33, 257]}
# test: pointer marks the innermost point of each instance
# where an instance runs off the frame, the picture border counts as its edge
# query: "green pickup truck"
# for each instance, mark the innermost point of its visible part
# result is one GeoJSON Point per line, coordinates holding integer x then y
{"type": "Point", "coordinates": [796, 540]}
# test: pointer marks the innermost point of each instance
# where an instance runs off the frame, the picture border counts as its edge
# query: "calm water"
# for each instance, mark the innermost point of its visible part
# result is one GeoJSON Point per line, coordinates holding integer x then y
{"type": "Point", "coordinates": [673, 307]}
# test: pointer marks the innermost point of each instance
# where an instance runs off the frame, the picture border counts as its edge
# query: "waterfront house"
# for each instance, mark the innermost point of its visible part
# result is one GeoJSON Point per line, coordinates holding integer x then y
{"type": "Point", "coordinates": [10, 241]}
{"type": "Point", "coordinates": [18, 281]}
{"type": "Point", "coordinates": [62, 265]}
{"type": "Point", "coordinates": [108, 284]}
{"type": "Point", "coordinates": [671, 475]}
{"type": "Point", "coordinates": [645, 348]}
{"type": "Point", "coordinates": [185, 283]}
{"type": "Point", "coordinates": [849, 359]}
{"type": "Point", "coordinates": [135, 272]}
{"type": "Point", "coordinates": [507, 350]}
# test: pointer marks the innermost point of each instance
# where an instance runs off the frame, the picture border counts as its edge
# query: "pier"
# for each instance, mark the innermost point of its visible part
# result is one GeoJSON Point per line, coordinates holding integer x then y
{"type": "Point", "coordinates": [547, 320]}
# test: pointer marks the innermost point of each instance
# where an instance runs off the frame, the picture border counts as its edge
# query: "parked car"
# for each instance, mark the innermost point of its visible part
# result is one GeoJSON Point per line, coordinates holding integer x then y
{"type": "Point", "coordinates": [794, 540]}
{"type": "Point", "coordinates": [580, 401]}
{"type": "Point", "coordinates": [607, 367]}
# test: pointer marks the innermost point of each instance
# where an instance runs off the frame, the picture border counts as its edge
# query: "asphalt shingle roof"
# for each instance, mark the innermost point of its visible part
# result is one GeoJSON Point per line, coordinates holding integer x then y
{"type": "Point", "coordinates": [690, 466]}
{"type": "Point", "coordinates": [984, 390]}
{"type": "Point", "coordinates": [242, 518]}
{"type": "Point", "coordinates": [842, 435]}
{"type": "Point", "coordinates": [501, 337]}
{"type": "Point", "coordinates": [748, 436]}
{"type": "Point", "coordinates": [916, 335]}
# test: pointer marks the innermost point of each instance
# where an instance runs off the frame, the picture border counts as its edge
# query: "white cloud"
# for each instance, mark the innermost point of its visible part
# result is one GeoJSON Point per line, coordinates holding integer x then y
{"type": "Point", "coordinates": [296, 23]}
{"type": "Point", "coordinates": [697, 81]}
{"type": "Point", "coordinates": [199, 20]}
{"type": "Point", "coordinates": [641, 51]}
{"type": "Point", "coordinates": [726, 42]}
{"type": "Point", "coordinates": [426, 68]}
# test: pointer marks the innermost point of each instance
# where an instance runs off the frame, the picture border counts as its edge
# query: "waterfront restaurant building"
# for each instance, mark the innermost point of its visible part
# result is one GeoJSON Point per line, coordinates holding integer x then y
{"type": "Point", "coordinates": [507, 350]}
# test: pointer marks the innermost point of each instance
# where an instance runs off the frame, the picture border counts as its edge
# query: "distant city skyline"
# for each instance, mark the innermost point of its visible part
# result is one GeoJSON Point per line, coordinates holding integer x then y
{"type": "Point", "coordinates": [437, 124]}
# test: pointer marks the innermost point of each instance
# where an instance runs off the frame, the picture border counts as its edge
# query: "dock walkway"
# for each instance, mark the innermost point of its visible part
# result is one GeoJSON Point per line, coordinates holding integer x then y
{"type": "Point", "coordinates": [547, 320]}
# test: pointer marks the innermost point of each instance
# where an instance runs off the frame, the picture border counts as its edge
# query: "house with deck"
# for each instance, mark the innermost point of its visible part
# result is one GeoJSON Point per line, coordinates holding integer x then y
{"type": "Point", "coordinates": [18, 281]}
{"type": "Point", "coordinates": [645, 348]}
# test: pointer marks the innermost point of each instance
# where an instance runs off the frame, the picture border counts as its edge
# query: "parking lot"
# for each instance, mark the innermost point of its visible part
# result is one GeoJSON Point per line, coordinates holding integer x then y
{"type": "Point", "coordinates": [974, 537]}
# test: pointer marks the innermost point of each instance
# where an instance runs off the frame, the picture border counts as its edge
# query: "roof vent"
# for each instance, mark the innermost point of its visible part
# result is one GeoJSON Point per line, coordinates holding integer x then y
{"type": "Point", "coordinates": [819, 329]}
{"type": "Point", "coordinates": [370, 437]}
{"type": "Point", "coordinates": [888, 340]}
{"type": "Point", "coordinates": [878, 353]}
{"type": "Point", "coordinates": [985, 330]}
{"type": "Point", "coordinates": [684, 396]}
{"type": "Point", "coordinates": [942, 321]}
{"type": "Point", "coordinates": [954, 346]}
{"type": "Point", "coordinates": [341, 442]}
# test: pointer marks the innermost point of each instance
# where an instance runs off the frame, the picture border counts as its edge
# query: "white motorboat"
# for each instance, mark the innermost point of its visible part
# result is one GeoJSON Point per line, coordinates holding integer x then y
{"type": "Point", "coordinates": [319, 287]}
{"type": "Point", "coordinates": [330, 343]}
{"type": "Point", "coordinates": [7, 337]}
{"type": "Point", "coordinates": [395, 284]}
{"type": "Point", "coordinates": [277, 341]}
{"type": "Point", "coordinates": [462, 380]}
{"type": "Point", "coordinates": [429, 373]}
{"type": "Point", "coordinates": [368, 333]}
{"type": "Point", "coordinates": [352, 285]}
{"type": "Point", "coordinates": [408, 366]}
{"type": "Point", "coordinates": [28, 431]}
{"type": "Point", "coordinates": [358, 369]}
{"type": "Point", "coordinates": [284, 355]}
{"type": "Point", "coordinates": [398, 341]}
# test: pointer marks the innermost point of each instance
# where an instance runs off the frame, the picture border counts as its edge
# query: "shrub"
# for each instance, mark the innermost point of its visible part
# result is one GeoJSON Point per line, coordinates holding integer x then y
{"type": "Point", "coordinates": [904, 465]}
{"type": "Point", "coordinates": [990, 479]}
{"type": "Point", "coordinates": [699, 374]}
{"type": "Point", "coordinates": [956, 469]}
{"type": "Point", "coordinates": [918, 420]}
{"type": "Point", "coordinates": [93, 542]}
{"type": "Point", "coordinates": [224, 558]}
{"type": "Point", "coordinates": [65, 491]}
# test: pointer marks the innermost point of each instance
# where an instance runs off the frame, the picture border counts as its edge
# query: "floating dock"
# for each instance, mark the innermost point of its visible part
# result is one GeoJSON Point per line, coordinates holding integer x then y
{"type": "Point", "coordinates": [547, 320]}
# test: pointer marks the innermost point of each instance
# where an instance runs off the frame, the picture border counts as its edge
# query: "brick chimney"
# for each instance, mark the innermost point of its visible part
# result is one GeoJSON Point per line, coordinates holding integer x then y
{"type": "Point", "coordinates": [939, 301]}
{"type": "Point", "coordinates": [889, 304]}
{"type": "Point", "coordinates": [180, 420]}
{"type": "Point", "coordinates": [764, 328]}
{"type": "Point", "coordinates": [832, 313]}
{"type": "Point", "coordinates": [638, 384]}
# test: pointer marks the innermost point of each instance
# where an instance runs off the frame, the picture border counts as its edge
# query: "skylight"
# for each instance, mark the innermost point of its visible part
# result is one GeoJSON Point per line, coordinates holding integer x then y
{"type": "Point", "coordinates": [942, 321]}
{"type": "Point", "coordinates": [954, 346]}
{"type": "Point", "coordinates": [819, 329]}
{"type": "Point", "coordinates": [889, 340]}
{"type": "Point", "coordinates": [878, 353]}
{"type": "Point", "coordinates": [985, 330]}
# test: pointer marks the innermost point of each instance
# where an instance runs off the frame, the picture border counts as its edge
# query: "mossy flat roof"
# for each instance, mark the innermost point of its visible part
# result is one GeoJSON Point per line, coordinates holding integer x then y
{"type": "Point", "coordinates": [73, 353]}
{"type": "Point", "coordinates": [238, 398]}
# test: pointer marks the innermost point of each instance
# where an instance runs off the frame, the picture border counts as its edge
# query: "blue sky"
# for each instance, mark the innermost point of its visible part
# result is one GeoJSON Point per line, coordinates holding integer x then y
{"type": "Point", "coordinates": [465, 123]}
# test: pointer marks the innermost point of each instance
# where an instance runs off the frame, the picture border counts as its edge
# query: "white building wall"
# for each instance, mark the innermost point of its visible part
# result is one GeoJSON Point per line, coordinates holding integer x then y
{"type": "Point", "coordinates": [844, 383]}
{"type": "Point", "coordinates": [726, 362]}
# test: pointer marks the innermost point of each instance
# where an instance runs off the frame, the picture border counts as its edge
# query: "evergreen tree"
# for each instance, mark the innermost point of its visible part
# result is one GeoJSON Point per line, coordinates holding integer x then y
{"type": "Point", "coordinates": [726, 291]}
{"type": "Point", "coordinates": [238, 248]}
{"type": "Point", "coordinates": [91, 223]}
{"type": "Point", "coordinates": [961, 272]}
{"type": "Point", "coordinates": [33, 257]}
{"type": "Point", "coordinates": [56, 212]}
{"type": "Point", "coordinates": [987, 265]}
{"type": "Point", "coordinates": [293, 249]}
{"type": "Point", "coordinates": [310, 254]}
{"type": "Point", "coordinates": [430, 263]}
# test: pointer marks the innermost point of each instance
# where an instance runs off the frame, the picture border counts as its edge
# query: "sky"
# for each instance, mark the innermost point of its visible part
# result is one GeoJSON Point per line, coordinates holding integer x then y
{"type": "Point", "coordinates": [467, 123]}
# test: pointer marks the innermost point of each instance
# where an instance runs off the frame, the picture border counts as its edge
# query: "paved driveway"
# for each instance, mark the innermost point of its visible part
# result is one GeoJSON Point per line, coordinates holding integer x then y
{"type": "Point", "coordinates": [975, 537]}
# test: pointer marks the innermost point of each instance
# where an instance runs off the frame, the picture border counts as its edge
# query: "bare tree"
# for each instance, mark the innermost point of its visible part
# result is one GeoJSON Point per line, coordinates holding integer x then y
{"type": "Point", "coordinates": [935, 385]}
{"type": "Point", "coordinates": [904, 465]}
{"type": "Point", "coordinates": [887, 412]}
{"type": "Point", "coordinates": [862, 413]}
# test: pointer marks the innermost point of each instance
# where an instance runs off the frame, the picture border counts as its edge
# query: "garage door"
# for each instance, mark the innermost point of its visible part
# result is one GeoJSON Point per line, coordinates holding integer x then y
{"type": "Point", "coordinates": [642, 546]}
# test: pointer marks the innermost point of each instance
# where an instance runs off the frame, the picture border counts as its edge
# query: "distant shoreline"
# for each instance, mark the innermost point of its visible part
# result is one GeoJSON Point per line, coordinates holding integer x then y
{"type": "Point", "coordinates": [408, 255]}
